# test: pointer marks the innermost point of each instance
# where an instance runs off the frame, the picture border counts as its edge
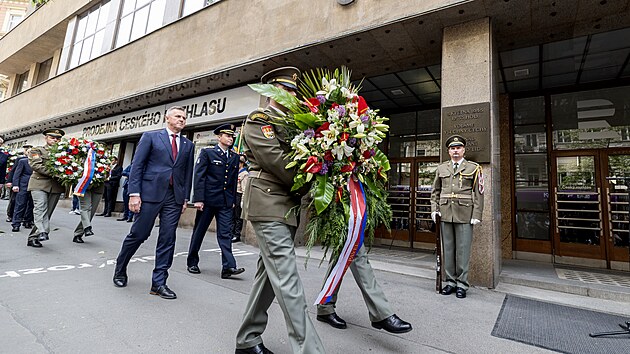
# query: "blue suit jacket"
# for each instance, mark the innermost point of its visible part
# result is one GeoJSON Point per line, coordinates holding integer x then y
{"type": "Point", "coordinates": [21, 173]}
{"type": "Point", "coordinates": [216, 177]}
{"type": "Point", "coordinates": [3, 166]}
{"type": "Point", "coordinates": [153, 167]}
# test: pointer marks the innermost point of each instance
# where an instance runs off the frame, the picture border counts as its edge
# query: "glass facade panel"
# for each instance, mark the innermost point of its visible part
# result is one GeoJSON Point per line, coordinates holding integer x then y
{"type": "Point", "coordinates": [44, 71]}
{"type": "Point", "coordinates": [143, 17]}
{"type": "Point", "coordinates": [591, 119]}
{"type": "Point", "coordinates": [415, 134]}
{"type": "Point", "coordinates": [156, 16]}
{"type": "Point", "coordinates": [191, 6]}
{"type": "Point", "coordinates": [530, 138]}
{"type": "Point", "coordinates": [124, 29]}
{"type": "Point", "coordinates": [89, 35]}
{"type": "Point", "coordinates": [619, 200]}
{"type": "Point", "coordinates": [532, 225]}
{"type": "Point", "coordinates": [139, 23]}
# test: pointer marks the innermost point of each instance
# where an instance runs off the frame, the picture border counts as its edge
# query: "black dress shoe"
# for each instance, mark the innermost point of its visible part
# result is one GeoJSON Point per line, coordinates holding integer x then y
{"type": "Point", "coordinates": [393, 324]}
{"type": "Point", "coordinates": [78, 239]}
{"type": "Point", "coordinates": [101, 214]}
{"type": "Point", "coordinates": [9, 219]}
{"type": "Point", "coordinates": [226, 273]}
{"type": "Point", "coordinates": [194, 269]}
{"type": "Point", "coordinates": [15, 229]}
{"type": "Point", "coordinates": [28, 226]}
{"type": "Point", "coordinates": [236, 239]}
{"type": "Point", "coordinates": [461, 293]}
{"type": "Point", "coordinates": [88, 231]}
{"type": "Point", "coordinates": [121, 219]}
{"type": "Point", "coordinates": [163, 291]}
{"type": "Point", "coordinates": [447, 290]}
{"type": "Point", "coordinates": [333, 320]}
{"type": "Point", "coordinates": [120, 281]}
{"type": "Point", "coordinates": [257, 349]}
{"type": "Point", "coordinates": [34, 243]}
{"type": "Point", "coordinates": [130, 220]}
{"type": "Point", "coordinates": [43, 236]}
{"type": "Point", "coordinates": [108, 215]}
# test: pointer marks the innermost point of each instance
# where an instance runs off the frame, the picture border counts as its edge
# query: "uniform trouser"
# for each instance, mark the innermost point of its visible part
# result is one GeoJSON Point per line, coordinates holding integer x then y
{"type": "Point", "coordinates": [88, 204]}
{"type": "Point", "coordinates": [224, 235]}
{"type": "Point", "coordinates": [169, 212]}
{"type": "Point", "coordinates": [44, 204]}
{"type": "Point", "coordinates": [23, 212]}
{"type": "Point", "coordinates": [456, 242]}
{"type": "Point", "coordinates": [11, 206]}
{"type": "Point", "coordinates": [107, 208]}
{"type": "Point", "coordinates": [375, 300]}
{"type": "Point", "coordinates": [237, 224]}
{"type": "Point", "coordinates": [277, 277]}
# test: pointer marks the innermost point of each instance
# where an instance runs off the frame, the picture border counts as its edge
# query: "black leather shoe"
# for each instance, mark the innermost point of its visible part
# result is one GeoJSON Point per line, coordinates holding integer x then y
{"type": "Point", "coordinates": [121, 219]}
{"type": "Point", "coordinates": [333, 320]}
{"type": "Point", "coordinates": [108, 215]}
{"type": "Point", "coordinates": [88, 231]}
{"type": "Point", "coordinates": [78, 239]}
{"type": "Point", "coordinates": [194, 269]}
{"type": "Point", "coordinates": [43, 236]}
{"type": "Point", "coordinates": [163, 291]}
{"type": "Point", "coordinates": [257, 349]}
{"type": "Point", "coordinates": [101, 214]}
{"type": "Point", "coordinates": [447, 290]}
{"type": "Point", "coordinates": [15, 229]}
{"type": "Point", "coordinates": [34, 243]}
{"type": "Point", "coordinates": [393, 324]}
{"type": "Point", "coordinates": [130, 220]}
{"type": "Point", "coordinates": [236, 239]}
{"type": "Point", "coordinates": [226, 273]}
{"type": "Point", "coordinates": [120, 281]}
{"type": "Point", "coordinates": [28, 226]}
{"type": "Point", "coordinates": [461, 293]}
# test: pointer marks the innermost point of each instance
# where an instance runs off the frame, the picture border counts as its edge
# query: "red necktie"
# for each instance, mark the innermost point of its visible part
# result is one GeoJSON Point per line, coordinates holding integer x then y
{"type": "Point", "coordinates": [174, 146]}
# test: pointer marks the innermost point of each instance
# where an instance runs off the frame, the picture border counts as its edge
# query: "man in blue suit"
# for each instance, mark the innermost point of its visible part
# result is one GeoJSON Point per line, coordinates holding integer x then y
{"type": "Point", "coordinates": [216, 174]}
{"type": "Point", "coordinates": [22, 172]}
{"type": "Point", "coordinates": [159, 184]}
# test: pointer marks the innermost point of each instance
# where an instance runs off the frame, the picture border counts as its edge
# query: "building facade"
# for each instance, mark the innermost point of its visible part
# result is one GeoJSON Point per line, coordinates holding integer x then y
{"type": "Point", "coordinates": [540, 88]}
{"type": "Point", "coordinates": [12, 12]}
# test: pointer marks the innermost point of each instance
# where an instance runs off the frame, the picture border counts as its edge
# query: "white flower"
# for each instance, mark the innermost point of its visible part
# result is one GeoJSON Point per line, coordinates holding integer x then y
{"type": "Point", "coordinates": [342, 150]}
{"type": "Point", "coordinates": [330, 135]}
{"type": "Point", "coordinates": [57, 163]}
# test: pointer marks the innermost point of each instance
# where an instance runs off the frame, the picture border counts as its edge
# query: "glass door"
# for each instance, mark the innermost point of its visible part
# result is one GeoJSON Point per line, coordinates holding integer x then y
{"type": "Point", "coordinates": [617, 181]}
{"type": "Point", "coordinates": [399, 187]}
{"type": "Point", "coordinates": [424, 233]}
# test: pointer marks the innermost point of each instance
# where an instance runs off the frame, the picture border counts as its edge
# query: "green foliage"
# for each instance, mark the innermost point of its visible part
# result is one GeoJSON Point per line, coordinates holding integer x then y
{"type": "Point", "coordinates": [330, 228]}
{"type": "Point", "coordinates": [307, 120]}
{"type": "Point", "coordinates": [324, 192]}
{"type": "Point", "coordinates": [279, 95]}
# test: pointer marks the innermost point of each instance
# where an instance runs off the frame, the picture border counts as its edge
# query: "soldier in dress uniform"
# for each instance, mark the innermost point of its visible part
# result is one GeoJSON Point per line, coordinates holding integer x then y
{"type": "Point", "coordinates": [269, 205]}
{"type": "Point", "coordinates": [457, 197]}
{"type": "Point", "coordinates": [44, 189]}
{"type": "Point", "coordinates": [21, 174]}
{"type": "Point", "coordinates": [214, 188]}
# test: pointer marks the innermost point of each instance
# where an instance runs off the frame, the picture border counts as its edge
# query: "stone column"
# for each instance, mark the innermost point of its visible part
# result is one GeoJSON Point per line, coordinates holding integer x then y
{"type": "Point", "coordinates": [469, 89]}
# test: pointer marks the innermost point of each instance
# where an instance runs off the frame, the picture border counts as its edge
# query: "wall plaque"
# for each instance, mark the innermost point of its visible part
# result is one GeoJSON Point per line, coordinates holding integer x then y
{"type": "Point", "coordinates": [472, 121]}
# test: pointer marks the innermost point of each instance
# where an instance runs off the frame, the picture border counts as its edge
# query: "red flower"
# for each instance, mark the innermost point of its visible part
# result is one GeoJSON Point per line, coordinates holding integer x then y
{"type": "Point", "coordinates": [348, 168]}
{"type": "Point", "coordinates": [74, 151]}
{"type": "Point", "coordinates": [367, 154]}
{"type": "Point", "coordinates": [318, 132]}
{"type": "Point", "coordinates": [312, 165]}
{"type": "Point", "coordinates": [74, 142]}
{"type": "Point", "coordinates": [362, 106]}
{"type": "Point", "coordinates": [339, 194]}
{"type": "Point", "coordinates": [328, 156]}
{"type": "Point", "coordinates": [344, 136]}
{"type": "Point", "coordinates": [334, 105]}
{"type": "Point", "coordinates": [100, 169]}
{"type": "Point", "coordinates": [312, 104]}
{"type": "Point", "coordinates": [68, 172]}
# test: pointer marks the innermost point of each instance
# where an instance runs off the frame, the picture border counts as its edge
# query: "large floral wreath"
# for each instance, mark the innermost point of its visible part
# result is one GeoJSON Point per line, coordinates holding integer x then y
{"type": "Point", "coordinates": [13, 156]}
{"type": "Point", "coordinates": [69, 159]}
{"type": "Point", "coordinates": [335, 148]}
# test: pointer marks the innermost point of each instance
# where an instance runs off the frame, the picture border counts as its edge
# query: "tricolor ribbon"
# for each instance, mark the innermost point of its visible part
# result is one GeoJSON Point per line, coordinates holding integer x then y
{"type": "Point", "coordinates": [354, 241]}
{"type": "Point", "coordinates": [88, 174]}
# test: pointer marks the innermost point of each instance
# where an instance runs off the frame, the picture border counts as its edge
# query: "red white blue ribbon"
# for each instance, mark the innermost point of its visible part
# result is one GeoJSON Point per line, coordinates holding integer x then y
{"type": "Point", "coordinates": [354, 241]}
{"type": "Point", "coordinates": [88, 174]}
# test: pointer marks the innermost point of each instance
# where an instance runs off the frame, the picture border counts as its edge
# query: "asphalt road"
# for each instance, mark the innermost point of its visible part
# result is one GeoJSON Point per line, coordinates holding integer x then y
{"type": "Point", "coordinates": [60, 299]}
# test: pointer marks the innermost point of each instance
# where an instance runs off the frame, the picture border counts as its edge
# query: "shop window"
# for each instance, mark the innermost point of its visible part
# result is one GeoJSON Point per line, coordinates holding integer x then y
{"type": "Point", "coordinates": [139, 17]}
{"type": "Point", "coordinates": [21, 83]}
{"type": "Point", "coordinates": [591, 119]}
{"type": "Point", "coordinates": [44, 71]}
{"type": "Point", "coordinates": [89, 35]}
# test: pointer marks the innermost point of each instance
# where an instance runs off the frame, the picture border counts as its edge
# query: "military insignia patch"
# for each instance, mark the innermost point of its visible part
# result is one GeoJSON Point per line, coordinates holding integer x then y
{"type": "Point", "coordinates": [268, 132]}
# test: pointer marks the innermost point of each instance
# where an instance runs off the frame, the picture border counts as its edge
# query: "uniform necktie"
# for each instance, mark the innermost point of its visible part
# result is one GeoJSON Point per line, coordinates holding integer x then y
{"type": "Point", "coordinates": [174, 146]}
{"type": "Point", "coordinates": [455, 166]}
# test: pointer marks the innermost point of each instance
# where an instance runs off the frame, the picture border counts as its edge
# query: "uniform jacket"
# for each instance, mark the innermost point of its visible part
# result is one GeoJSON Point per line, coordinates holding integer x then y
{"type": "Point", "coordinates": [216, 177]}
{"type": "Point", "coordinates": [40, 179]}
{"type": "Point", "coordinates": [153, 166]}
{"type": "Point", "coordinates": [267, 195]}
{"type": "Point", "coordinates": [3, 166]}
{"type": "Point", "coordinates": [125, 173]}
{"type": "Point", "coordinates": [456, 195]}
{"type": "Point", "coordinates": [114, 176]}
{"type": "Point", "coordinates": [21, 173]}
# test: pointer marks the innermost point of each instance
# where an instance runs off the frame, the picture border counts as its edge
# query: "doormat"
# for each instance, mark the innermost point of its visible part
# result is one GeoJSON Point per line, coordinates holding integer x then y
{"type": "Point", "coordinates": [561, 328]}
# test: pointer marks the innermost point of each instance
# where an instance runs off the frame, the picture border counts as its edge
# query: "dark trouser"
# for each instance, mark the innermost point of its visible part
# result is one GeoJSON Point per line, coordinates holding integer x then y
{"type": "Point", "coordinates": [11, 206]}
{"type": "Point", "coordinates": [23, 212]}
{"type": "Point", "coordinates": [127, 214]}
{"type": "Point", "coordinates": [75, 202]}
{"type": "Point", "coordinates": [224, 235]}
{"type": "Point", "coordinates": [237, 222]}
{"type": "Point", "coordinates": [169, 212]}
{"type": "Point", "coordinates": [107, 196]}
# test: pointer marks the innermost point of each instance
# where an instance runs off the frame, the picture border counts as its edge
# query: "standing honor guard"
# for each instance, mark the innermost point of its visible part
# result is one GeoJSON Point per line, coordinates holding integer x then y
{"type": "Point", "coordinates": [44, 189]}
{"type": "Point", "coordinates": [268, 204]}
{"type": "Point", "coordinates": [21, 174]}
{"type": "Point", "coordinates": [457, 197]}
{"type": "Point", "coordinates": [216, 175]}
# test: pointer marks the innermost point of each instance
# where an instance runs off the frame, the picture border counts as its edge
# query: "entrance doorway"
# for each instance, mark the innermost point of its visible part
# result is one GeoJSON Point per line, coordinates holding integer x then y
{"type": "Point", "coordinates": [590, 210]}
{"type": "Point", "coordinates": [409, 185]}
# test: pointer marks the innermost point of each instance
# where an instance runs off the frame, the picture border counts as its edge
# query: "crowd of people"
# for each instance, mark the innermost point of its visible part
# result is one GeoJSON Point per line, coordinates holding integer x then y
{"type": "Point", "coordinates": [160, 180]}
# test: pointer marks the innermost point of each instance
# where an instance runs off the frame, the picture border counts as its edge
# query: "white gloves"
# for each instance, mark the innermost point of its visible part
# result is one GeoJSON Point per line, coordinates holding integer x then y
{"type": "Point", "coordinates": [474, 221]}
{"type": "Point", "coordinates": [433, 215]}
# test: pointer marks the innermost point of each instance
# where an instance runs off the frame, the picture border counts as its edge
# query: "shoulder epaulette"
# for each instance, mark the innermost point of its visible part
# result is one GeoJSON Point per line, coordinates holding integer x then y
{"type": "Point", "coordinates": [260, 116]}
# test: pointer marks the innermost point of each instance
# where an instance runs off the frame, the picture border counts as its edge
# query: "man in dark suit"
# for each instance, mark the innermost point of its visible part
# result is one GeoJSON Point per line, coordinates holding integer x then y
{"type": "Point", "coordinates": [127, 214]}
{"type": "Point", "coordinates": [159, 184]}
{"type": "Point", "coordinates": [111, 188]}
{"type": "Point", "coordinates": [21, 174]}
{"type": "Point", "coordinates": [3, 170]}
{"type": "Point", "coordinates": [216, 175]}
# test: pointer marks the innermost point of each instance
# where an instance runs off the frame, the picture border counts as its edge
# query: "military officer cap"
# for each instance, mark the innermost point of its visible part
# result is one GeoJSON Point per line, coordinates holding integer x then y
{"type": "Point", "coordinates": [455, 140]}
{"type": "Point", "coordinates": [27, 146]}
{"type": "Point", "coordinates": [286, 76]}
{"type": "Point", "coordinates": [225, 129]}
{"type": "Point", "coordinates": [54, 132]}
